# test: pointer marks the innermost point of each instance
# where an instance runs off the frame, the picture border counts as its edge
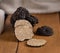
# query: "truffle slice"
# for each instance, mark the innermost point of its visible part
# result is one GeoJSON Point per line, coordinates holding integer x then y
{"type": "Point", "coordinates": [23, 30]}
{"type": "Point", "coordinates": [22, 23]}
{"type": "Point", "coordinates": [36, 42]}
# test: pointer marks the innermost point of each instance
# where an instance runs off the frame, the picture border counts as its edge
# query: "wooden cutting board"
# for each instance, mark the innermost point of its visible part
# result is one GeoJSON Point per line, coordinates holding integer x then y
{"type": "Point", "coordinates": [9, 43]}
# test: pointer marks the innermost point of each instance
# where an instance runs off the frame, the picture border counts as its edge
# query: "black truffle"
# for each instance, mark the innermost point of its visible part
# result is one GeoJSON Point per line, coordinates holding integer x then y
{"type": "Point", "coordinates": [44, 30]}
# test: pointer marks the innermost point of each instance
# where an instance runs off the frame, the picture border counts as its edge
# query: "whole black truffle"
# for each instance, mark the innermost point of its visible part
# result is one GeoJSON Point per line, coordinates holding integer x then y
{"type": "Point", "coordinates": [33, 20]}
{"type": "Point", "coordinates": [44, 30]}
{"type": "Point", "coordinates": [20, 13]}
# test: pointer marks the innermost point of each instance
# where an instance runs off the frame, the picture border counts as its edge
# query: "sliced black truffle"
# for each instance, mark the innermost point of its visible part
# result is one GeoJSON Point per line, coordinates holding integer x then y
{"type": "Point", "coordinates": [44, 30]}
{"type": "Point", "coordinates": [22, 13]}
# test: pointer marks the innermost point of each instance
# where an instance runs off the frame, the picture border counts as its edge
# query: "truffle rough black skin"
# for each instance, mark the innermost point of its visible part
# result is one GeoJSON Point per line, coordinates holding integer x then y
{"type": "Point", "coordinates": [22, 13]}
{"type": "Point", "coordinates": [33, 20]}
{"type": "Point", "coordinates": [44, 30]}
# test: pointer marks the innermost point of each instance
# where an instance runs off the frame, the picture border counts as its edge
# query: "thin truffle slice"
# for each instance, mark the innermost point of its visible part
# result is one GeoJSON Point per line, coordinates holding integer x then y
{"type": "Point", "coordinates": [22, 23]}
{"type": "Point", "coordinates": [36, 42]}
{"type": "Point", "coordinates": [23, 30]}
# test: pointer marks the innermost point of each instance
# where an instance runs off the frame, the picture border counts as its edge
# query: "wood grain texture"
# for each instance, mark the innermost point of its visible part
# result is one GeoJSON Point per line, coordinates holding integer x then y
{"type": "Point", "coordinates": [9, 43]}
{"type": "Point", "coordinates": [53, 43]}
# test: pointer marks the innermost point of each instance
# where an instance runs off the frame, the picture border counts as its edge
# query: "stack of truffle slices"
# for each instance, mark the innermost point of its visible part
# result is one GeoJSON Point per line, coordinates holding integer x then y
{"type": "Point", "coordinates": [23, 30]}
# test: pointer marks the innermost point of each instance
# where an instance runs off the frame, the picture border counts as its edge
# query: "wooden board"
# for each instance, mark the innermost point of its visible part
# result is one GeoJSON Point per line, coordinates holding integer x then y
{"type": "Point", "coordinates": [9, 43]}
{"type": "Point", "coordinates": [53, 43]}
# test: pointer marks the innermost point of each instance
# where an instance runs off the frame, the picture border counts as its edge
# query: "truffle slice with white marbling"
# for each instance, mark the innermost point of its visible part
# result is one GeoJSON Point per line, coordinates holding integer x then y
{"type": "Point", "coordinates": [23, 30]}
{"type": "Point", "coordinates": [36, 42]}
